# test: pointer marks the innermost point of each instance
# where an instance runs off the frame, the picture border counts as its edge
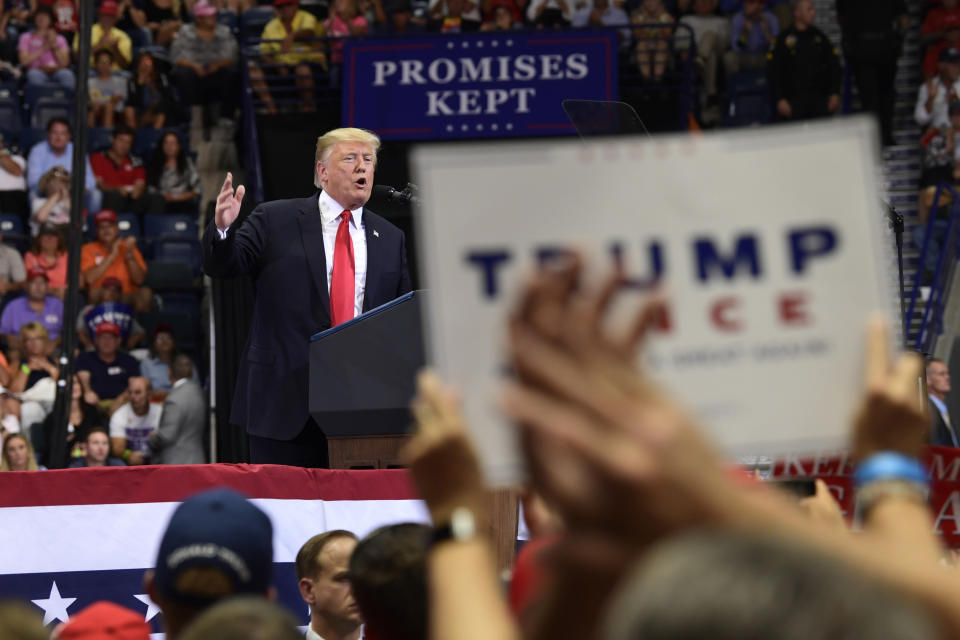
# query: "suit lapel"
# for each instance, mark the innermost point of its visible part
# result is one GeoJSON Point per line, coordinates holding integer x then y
{"type": "Point", "coordinates": [370, 292]}
{"type": "Point", "coordinates": [311, 234]}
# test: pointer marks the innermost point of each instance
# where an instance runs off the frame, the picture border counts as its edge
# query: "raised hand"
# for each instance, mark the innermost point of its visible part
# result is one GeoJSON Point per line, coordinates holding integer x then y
{"type": "Point", "coordinates": [891, 416]}
{"type": "Point", "coordinates": [441, 455]}
{"type": "Point", "coordinates": [228, 203]}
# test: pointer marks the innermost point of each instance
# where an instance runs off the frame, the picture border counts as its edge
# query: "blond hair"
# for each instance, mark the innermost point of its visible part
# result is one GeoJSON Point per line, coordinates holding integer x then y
{"type": "Point", "coordinates": [32, 457]}
{"type": "Point", "coordinates": [33, 328]}
{"type": "Point", "coordinates": [327, 141]}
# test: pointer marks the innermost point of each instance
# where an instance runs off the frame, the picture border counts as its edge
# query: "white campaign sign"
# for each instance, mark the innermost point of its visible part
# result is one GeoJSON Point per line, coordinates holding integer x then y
{"type": "Point", "coordinates": [768, 243]}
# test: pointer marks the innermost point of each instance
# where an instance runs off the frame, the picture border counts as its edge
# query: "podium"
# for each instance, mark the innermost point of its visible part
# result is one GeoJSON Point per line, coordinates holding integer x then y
{"type": "Point", "coordinates": [363, 375]}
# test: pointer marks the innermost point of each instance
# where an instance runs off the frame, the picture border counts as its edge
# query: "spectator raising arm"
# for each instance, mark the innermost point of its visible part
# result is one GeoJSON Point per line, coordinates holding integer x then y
{"type": "Point", "coordinates": [446, 469]}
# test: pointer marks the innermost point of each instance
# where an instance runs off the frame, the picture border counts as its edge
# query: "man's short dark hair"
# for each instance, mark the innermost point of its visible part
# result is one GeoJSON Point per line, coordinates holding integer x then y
{"type": "Point", "coordinates": [243, 618]}
{"type": "Point", "coordinates": [307, 563]}
{"type": "Point", "coordinates": [95, 429]}
{"type": "Point", "coordinates": [58, 120]}
{"type": "Point", "coordinates": [388, 573]}
{"type": "Point", "coordinates": [182, 366]}
{"type": "Point", "coordinates": [124, 129]}
{"type": "Point", "coordinates": [728, 586]}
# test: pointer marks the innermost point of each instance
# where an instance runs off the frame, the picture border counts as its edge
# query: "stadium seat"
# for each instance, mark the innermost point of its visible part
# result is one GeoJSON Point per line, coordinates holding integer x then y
{"type": "Point", "coordinates": [9, 114]}
{"type": "Point", "coordinates": [30, 136]}
{"type": "Point", "coordinates": [44, 109]}
{"type": "Point", "coordinates": [170, 276]}
{"type": "Point", "coordinates": [34, 92]}
{"type": "Point", "coordinates": [181, 302]}
{"type": "Point", "coordinates": [98, 139]}
{"type": "Point", "coordinates": [748, 99]}
{"type": "Point", "coordinates": [229, 20]}
{"type": "Point", "coordinates": [178, 250]}
{"type": "Point", "coordinates": [156, 226]}
{"type": "Point", "coordinates": [253, 20]}
{"type": "Point", "coordinates": [11, 228]}
{"type": "Point", "coordinates": [129, 224]}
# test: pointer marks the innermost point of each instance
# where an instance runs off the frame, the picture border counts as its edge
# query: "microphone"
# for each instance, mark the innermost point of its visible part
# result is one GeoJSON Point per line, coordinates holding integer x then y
{"type": "Point", "coordinates": [407, 196]}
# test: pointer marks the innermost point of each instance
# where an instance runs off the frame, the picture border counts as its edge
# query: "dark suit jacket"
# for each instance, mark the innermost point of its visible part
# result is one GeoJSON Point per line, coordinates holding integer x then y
{"type": "Point", "coordinates": [939, 433]}
{"type": "Point", "coordinates": [281, 246]}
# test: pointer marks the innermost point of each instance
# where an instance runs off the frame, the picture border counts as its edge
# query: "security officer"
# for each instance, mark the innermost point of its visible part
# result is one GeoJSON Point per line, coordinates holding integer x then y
{"type": "Point", "coordinates": [804, 69]}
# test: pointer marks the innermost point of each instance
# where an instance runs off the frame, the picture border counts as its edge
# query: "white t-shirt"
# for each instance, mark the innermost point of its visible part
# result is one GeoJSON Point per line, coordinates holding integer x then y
{"type": "Point", "coordinates": [136, 429]}
{"type": "Point", "coordinates": [10, 182]}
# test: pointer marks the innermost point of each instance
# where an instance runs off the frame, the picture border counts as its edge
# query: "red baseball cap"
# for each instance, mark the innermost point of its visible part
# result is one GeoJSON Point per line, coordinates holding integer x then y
{"type": "Point", "coordinates": [37, 272]}
{"type": "Point", "coordinates": [280, 3]}
{"type": "Point", "coordinates": [105, 620]}
{"type": "Point", "coordinates": [105, 215]}
{"type": "Point", "coordinates": [109, 7]}
{"type": "Point", "coordinates": [108, 327]}
{"type": "Point", "coordinates": [112, 282]}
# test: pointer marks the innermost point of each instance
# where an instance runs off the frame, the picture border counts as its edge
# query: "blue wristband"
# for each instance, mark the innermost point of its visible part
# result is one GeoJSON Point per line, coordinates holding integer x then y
{"type": "Point", "coordinates": [889, 465]}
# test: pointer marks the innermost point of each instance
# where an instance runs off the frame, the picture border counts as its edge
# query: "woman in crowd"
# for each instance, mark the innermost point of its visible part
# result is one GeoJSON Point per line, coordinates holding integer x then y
{"type": "Point", "coordinates": [173, 176]}
{"type": "Point", "coordinates": [36, 365]}
{"type": "Point", "coordinates": [149, 99]}
{"type": "Point", "coordinates": [49, 252]}
{"type": "Point", "coordinates": [83, 415]}
{"type": "Point", "coordinates": [163, 349]}
{"type": "Point", "coordinates": [44, 53]}
{"type": "Point", "coordinates": [53, 205]}
{"type": "Point", "coordinates": [18, 454]}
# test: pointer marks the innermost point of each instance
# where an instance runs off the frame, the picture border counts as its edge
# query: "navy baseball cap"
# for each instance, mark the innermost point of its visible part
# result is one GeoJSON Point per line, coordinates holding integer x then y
{"type": "Point", "coordinates": [950, 54]}
{"type": "Point", "coordinates": [217, 544]}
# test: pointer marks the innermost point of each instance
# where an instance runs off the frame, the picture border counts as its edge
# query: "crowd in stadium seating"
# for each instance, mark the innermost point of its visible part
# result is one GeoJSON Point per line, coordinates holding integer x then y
{"type": "Point", "coordinates": [937, 111]}
{"type": "Point", "coordinates": [151, 62]}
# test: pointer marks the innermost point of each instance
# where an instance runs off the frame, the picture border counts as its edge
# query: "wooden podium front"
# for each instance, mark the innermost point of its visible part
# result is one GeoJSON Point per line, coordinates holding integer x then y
{"type": "Point", "coordinates": [366, 452]}
{"type": "Point", "coordinates": [383, 452]}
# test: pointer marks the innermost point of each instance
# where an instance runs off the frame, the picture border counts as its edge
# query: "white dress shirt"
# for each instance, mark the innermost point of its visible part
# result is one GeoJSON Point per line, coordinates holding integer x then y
{"type": "Point", "coordinates": [311, 634]}
{"type": "Point", "coordinates": [330, 211]}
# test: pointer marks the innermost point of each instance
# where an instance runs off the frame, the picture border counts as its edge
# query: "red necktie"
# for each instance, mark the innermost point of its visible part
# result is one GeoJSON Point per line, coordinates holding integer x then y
{"type": "Point", "coordinates": [342, 279]}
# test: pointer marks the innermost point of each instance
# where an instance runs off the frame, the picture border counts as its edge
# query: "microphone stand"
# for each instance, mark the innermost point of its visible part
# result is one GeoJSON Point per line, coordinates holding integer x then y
{"type": "Point", "coordinates": [895, 219]}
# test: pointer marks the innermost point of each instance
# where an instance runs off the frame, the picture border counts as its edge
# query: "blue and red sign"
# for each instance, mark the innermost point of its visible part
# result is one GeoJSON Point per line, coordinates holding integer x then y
{"type": "Point", "coordinates": [476, 85]}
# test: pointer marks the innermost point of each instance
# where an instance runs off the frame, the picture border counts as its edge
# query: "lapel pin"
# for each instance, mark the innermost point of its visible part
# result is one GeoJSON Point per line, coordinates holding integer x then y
{"type": "Point", "coordinates": [376, 234]}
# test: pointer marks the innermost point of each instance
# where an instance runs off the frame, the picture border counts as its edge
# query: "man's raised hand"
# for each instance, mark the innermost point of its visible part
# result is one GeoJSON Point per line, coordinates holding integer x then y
{"type": "Point", "coordinates": [228, 203]}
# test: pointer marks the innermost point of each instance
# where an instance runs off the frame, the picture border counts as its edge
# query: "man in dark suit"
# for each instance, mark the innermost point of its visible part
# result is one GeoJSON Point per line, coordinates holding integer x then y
{"type": "Point", "coordinates": [942, 432]}
{"type": "Point", "coordinates": [316, 262]}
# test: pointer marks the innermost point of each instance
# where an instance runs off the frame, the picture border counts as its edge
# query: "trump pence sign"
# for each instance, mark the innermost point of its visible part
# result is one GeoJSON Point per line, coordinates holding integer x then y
{"type": "Point", "coordinates": [475, 85]}
{"type": "Point", "coordinates": [768, 244]}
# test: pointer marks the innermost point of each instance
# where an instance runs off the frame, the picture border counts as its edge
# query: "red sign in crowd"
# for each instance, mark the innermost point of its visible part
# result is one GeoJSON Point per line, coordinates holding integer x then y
{"type": "Point", "coordinates": [837, 472]}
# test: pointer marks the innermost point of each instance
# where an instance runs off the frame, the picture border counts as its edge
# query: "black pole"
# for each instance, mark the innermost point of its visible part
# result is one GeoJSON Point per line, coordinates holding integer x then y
{"type": "Point", "coordinates": [58, 454]}
{"type": "Point", "coordinates": [897, 225]}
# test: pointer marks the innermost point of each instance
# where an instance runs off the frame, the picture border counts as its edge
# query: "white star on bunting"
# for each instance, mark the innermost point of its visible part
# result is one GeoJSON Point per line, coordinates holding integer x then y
{"type": "Point", "coordinates": [54, 607]}
{"type": "Point", "coordinates": [152, 608]}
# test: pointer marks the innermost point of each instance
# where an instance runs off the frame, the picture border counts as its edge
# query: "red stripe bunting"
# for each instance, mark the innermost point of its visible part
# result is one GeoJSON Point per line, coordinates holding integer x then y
{"type": "Point", "coordinates": [162, 483]}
